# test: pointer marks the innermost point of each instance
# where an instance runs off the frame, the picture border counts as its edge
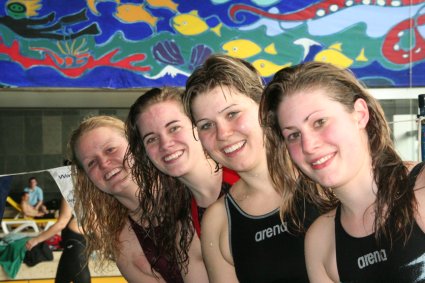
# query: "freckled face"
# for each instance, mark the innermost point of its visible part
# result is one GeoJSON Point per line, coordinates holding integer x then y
{"type": "Point", "coordinates": [169, 140]}
{"type": "Point", "coordinates": [229, 128]}
{"type": "Point", "coordinates": [101, 152]}
{"type": "Point", "coordinates": [328, 143]}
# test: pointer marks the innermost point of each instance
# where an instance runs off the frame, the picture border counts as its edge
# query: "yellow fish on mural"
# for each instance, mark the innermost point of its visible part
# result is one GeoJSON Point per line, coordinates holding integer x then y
{"type": "Point", "coordinates": [192, 24]}
{"type": "Point", "coordinates": [31, 6]}
{"type": "Point", "coordinates": [244, 48]}
{"type": "Point", "coordinates": [132, 13]}
{"type": "Point", "coordinates": [267, 68]}
{"type": "Point", "coordinates": [92, 5]}
{"type": "Point", "coordinates": [335, 56]}
{"type": "Point", "coordinates": [163, 3]}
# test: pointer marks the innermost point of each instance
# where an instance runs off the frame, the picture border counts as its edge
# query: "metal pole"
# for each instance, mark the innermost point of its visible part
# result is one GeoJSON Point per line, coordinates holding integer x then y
{"type": "Point", "coordinates": [421, 126]}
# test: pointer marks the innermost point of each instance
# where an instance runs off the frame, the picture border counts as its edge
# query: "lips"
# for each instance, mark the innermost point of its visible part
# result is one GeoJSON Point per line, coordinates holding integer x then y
{"type": "Point", "coordinates": [235, 147]}
{"type": "Point", "coordinates": [112, 173]}
{"type": "Point", "coordinates": [322, 162]}
{"type": "Point", "coordinates": [173, 156]}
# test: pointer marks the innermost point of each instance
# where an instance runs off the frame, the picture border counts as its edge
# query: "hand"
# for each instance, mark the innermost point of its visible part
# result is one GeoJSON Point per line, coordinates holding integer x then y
{"type": "Point", "coordinates": [31, 243]}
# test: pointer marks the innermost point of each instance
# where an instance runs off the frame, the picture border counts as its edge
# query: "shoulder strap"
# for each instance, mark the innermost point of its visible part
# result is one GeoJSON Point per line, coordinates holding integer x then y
{"type": "Point", "coordinates": [195, 217]}
{"type": "Point", "coordinates": [414, 173]}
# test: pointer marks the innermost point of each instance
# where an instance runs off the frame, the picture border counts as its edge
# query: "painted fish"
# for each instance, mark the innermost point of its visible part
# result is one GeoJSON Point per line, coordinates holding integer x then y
{"type": "Point", "coordinates": [163, 3]}
{"type": "Point", "coordinates": [244, 48]}
{"type": "Point", "coordinates": [31, 7]}
{"type": "Point", "coordinates": [267, 68]}
{"type": "Point", "coordinates": [192, 24]}
{"type": "Point", "coordinates": [132, 13]}
{"type": "Point", "coordinates": [334, 56]}
{"type": "Point", "coordinates": [92, 5]}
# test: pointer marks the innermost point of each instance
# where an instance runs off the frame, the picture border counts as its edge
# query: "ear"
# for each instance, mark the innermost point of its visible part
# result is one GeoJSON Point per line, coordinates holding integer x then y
{"type": "Point", "coordinates": [361, 112]}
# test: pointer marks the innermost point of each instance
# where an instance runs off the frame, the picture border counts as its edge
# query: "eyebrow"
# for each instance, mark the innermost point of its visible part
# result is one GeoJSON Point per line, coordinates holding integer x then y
{"type": "Point", "coordinates": [166, 126]}
{"type": "Point", "coordinates": [305, 120]}
{"type": "Point", "coordinates": [100, 147]}
{"type": "Point", "coordinates": [224, 109]}
{"type": "Point", "coordinates": [218, 112]}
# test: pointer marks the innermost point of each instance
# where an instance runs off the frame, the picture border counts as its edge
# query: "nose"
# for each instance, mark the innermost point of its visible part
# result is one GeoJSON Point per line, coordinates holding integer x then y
{"type": "Point", "coordinates": [103, 161]}
{"type": "Point", "coordinates": [165, 142]}
{"type": "Point", "coordinates": [223, 131]}
{"type": "Point", "coordinates": [310, 142]}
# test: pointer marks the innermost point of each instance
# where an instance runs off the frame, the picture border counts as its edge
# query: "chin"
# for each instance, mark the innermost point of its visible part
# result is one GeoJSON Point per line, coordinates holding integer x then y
{"type": "Point", "coordinates": [170, 172]}
{"type": "Point", "coordinates": [177, 174]}
{"type": "Point", "coordinates": [327, 183]}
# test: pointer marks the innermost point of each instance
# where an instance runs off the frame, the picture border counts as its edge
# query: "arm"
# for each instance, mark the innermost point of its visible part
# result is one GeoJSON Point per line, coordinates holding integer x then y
{"type": "Point", "coordinates": [38, 204]}
{"type": "Point", "coordinates": [197, 272]}
{"type": "Point", "coordinates": [39, 194]}
{"type": "Point", "coordinates": [65, 215]}
{"type": "Point", "coordinates": [320, 251]}
{"type": "Point", "coordinates": [30, 211]}
{"type": "Point", "coordinates": [215, 245]}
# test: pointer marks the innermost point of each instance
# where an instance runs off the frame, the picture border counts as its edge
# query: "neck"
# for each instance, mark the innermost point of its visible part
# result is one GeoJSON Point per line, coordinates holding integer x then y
{"type": "Point", "coordinates": [357, 198]}
{"type": "Point", "coordinates": [257, 178]}
{"type": "Point", "coordinates": [204, 183]}
{"type": "Point", "coordinates": [358, 209]}
{"type": "Point", "coordinates": [130, 199]}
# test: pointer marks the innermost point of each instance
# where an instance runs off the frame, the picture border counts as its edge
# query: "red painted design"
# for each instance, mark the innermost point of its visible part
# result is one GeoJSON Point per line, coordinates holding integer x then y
{"type": "Point", "coordinates": [392, 39]}
{"type": "Point", "coordinates": [63, 64]}
{"type": "Point", "coordinates": [310, 12]}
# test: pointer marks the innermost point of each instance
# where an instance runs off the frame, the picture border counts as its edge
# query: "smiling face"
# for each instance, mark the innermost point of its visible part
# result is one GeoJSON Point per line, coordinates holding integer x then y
{"type": "Point", "coordinates": [327, 142]}
{"type": "Point", "coordinates": [229, 129]}
{"type": "Point", "coordinates": [168, 138]}
{"type": "Point", "coordinates": [101, 152]}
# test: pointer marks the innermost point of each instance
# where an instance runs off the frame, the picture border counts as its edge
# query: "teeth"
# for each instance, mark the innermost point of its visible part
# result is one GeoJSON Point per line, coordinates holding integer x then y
{"type": "Point", "coordinates": [322, 160]}
{"type": "Point", "coordinates": [173, 156]}
{"type": "Point", "coordinates": [234, 147]}
{"type": "Point", "coordinates": [112, 173]}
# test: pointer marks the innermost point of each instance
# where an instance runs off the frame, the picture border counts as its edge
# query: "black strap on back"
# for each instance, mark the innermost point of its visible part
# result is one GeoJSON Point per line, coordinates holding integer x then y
{"type": "Point", "coordinates": [414, 173]}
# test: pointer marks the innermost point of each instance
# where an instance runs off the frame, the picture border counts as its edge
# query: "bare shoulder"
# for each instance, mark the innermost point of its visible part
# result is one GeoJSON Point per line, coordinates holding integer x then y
{"type": "Point", "coordinates": [214, 221]}
{"type": "Point", "coordinates": [215, 231]}
{"type": "Point", "coordinates": [320, 249]}
{"type": "Point", "coordinates": [321, 233]}
{"type": "Point", "coordinates": [215, 244]}
{"type": "Point", "coordinates": [323, 222]}
{"type": "Point", "coordinates": [215, 213]}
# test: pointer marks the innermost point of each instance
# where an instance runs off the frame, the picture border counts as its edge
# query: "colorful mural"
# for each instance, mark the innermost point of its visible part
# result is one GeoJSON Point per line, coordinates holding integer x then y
{"type": "Point", "coordinates": [145, 43]}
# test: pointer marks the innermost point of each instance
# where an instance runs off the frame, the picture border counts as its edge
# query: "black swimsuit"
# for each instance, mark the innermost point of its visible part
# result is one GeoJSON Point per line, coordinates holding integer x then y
{"type": "Point", "coordinates": [362, 260]}
{"type": "Point", "coordinates": [263, 248]}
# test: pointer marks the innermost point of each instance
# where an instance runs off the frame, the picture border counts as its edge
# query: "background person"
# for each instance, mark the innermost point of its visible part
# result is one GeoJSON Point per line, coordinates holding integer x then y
{"type": "Point", "coordinates": [73, 263]}
{"type": "Point", "coordinates": [36, 196]}
{"type": "Point", "coordinates": [28, 210]}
